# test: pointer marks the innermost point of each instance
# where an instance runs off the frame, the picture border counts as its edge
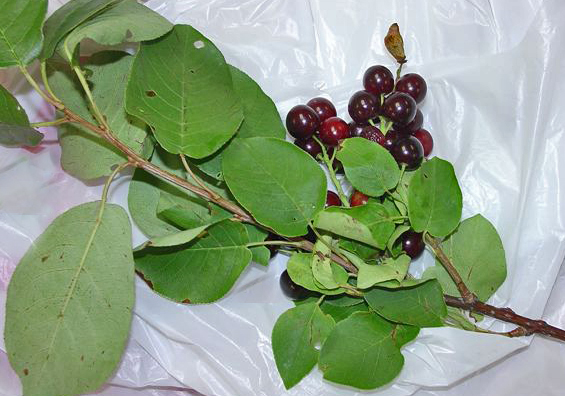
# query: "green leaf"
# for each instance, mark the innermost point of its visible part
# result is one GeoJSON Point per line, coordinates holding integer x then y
{"type": "Point", "coordinates": [371, 274]}
{"type": "Point", "coordinates": [278, 183]}
{"type": "Point", "coordinates": [211, 165]}
{"type": "Point", "coordinates": [295, 336]}
{"type": "Point", "coordinates": [370, 223]}
{"type": "Point", "coordinates": [420, 305]}
{"type": "Point", "coordinates": [127, 21]}
{"type": "Point", "coordinates": [299, 268]}
{"type": "Point", "coordinates": [181, 85]}
{"type": "Point", "coordinates": [67, 18]}
{"type": "Point", "coordinates": [69, 303]}
{"type": "Point", "coordinates": [10, 110]}
{"type": "Point", "coordinates": [261, 254]}
{"type": "Point", "coordinates": [368, 166]}
{"type": "Point", "coordinates": [201, 271]}
{"type": "Point", "coordinates": [14, 124]}
{"type": "Point", "coordinates": [20, 31]}
{"type": "Point", "coordinates": [434, 198]}
{"type": "Point", "coordinates": [402, 334]}
{"type": "Point", "coordinates": [86, 155]}
{"type": "Point", "coordinates": [401, 229]}
{"type": "Point", "coordinates": [339, 313]}
{"type": "Point", "coordinates": [477, 253]}
{"type": "Point", "coordinates": [362, 250]}
{"type": "Point", "coordinates": [322, 269]}
{"type": "Point", "coordinates": [361, 352]}
{"type": "Point", "coordinates": [343, 301]}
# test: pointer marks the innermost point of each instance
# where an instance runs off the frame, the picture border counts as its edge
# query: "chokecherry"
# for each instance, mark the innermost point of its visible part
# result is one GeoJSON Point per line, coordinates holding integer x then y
{"type": "Point", "coordinates": [302, 122]}
{"type": "Point", "coordinates": [413, 125]}
{"type": "Point", "coordinates": [400, 108]}
{"type": "Point", "coordinates": [412, 243]}
{"type": "Point", "coordinates": [358, 198]}
{"type": "Point", "coordinates": [426, 139]}
{"type": "Point", "coordinates": [355, 129]}
{"type": "Point", "coordinates": [391, 137]}
{"type": "Point", "coordinates": [292, 290]}
{"type": "Point", "coordinates": [378, 80]}
{"type": "Point", "coordinates": [323, 108]}
{"type": "Point", "coordinates": [373, 134]}
{"type": "Point", "coordinates": [363, 106]}
{"type": "Point", "coordinates": [332, 199]}
{"type": "Point", "coordinates": [333, 130]}
{"type": "Point", "coordinates": [309, 145]}
{"type": "Point", "coordinates": [414, 85]}
{"type": "Point", "coordinates": [408, 151]}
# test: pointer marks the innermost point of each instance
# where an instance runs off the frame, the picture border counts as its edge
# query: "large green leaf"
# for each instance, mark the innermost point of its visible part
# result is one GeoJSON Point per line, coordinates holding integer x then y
{"type": "Point", "coordinates": [69, 303]}
{"type": "Point", "coordinates": [361, 352]}
{"type": "Point", "coordinates": [181, 85]}
{"type": "Point", "coordinates": [370, 223]}
{"type": "Point", "coordinates": [477, 253]}
{"type": "Point", "coordinates": [421, 305]}
{"type": "Point", "coordinates": [368, 166]}
{"type": "Point", "coordinates": [201, 271]}
{"type": "Point", "coordinates": [279, 184]}
{"type": "Point", "coordinates": [14, 124]}
{"type": "Point", "coordinates": [434, 198]}
{"type": "Point", "coordinates": [299, 268]}
{"type": "Point", "coordinates": [296, 335]}
{"type": "Point", "coordinates": [68, 17]}
{"type": "Point", "coordinates": [127, 21]}
{"type": "Point", "coordinates": [20, 31]}
{"type": "Point", "coordinates": [85, 155]}
{"type": "Point", "coordinates": [371, 274]}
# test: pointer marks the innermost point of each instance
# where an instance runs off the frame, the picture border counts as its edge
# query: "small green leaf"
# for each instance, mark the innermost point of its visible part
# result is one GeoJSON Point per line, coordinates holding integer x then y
{"type": "Point", "coordinates": [211, 165]}
{"type": "Point", "coordinates": [477, 253]}
{"type": "Point", "coordinates": [371, 274]}
{"type": "Point", "coordinates": [20, 31]}
{"type": "Point", "coordinates": [434, 198]}
{"type": "Point", "coordinates": [278, 183]}
{"type": "Point", "coordinates": [339, 313]}
{"type": "Point", "coordinates": [68, 17]}
{"type": "Point", "coordinates": [295, 336]}
{"type": "Point", "coordinates": [420, 305]}
{"type": "Point", "coordinates": [368, 166]}
{"type": "Point", "coordinates": [70, 301]}
{"type": "Point", "coordinates": [261, 254]}
{"type": "Point", "coordinates": [10, 110]}
{"type": "Point", "coordinates": [370, 223]}
{"type": "Point", "coordinates": [201, 271]}
{"type": "Point", "coordinates": [299, 268]}
{"type": "Point", "coordinates": [401, 229]}
{"type": "Point", "coordinates": [127, 21]}
{"type": "Point", "coordinates": [322, 269]}
{"type": "Point", "coordinates": [14, 124]}
{"type": "Point", "coordinates": [181, 85]}
{"type": "Point", "coordinates": [361, 352]}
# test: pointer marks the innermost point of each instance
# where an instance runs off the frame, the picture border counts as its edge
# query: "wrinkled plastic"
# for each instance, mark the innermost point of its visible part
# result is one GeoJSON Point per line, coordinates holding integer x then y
{"type": "Point", "coordinates": [494, 73]}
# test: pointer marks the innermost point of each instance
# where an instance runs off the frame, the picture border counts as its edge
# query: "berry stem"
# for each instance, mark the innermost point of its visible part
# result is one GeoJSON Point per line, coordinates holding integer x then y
{"type": "Point", "coordinates": [329, 163]}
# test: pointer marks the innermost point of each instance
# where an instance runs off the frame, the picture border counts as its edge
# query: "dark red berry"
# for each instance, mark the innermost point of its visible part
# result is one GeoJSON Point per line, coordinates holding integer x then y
{"type": "Point", "coordinates": [355, 129]}
{"type": "Point", "coordinates": [333, 130]}
{"type": "Point", "coordinates": [400, 108]}
{"type": "Point", "coordinates": [408, 151]}
{"type": "Point", "coordinates": [426, 139]}
{"type": "Point", "coordinates": [363, 106]}
{"type": "Point", "coordinates": [412, 243]}
{"type": "Point", "coordinates": [391, 137]}
{"type": "Point", "coordinates": [302, 122]}
{"type": "Point", "coordinates": [414, 85]}
{"type": "Point", "coordinates": [373, 134]}
{"type": "Point", "coordinates": [309, 145]}
{"type": "Point", "coordinates": [358, 198]}
{"type": "Point", "coordinates": [378, 80]}
{"type": "Point", "coordinates": [323, 108]}
{"type": "Point", "coordinates": [292, 290]}
{"type": "Point", "coordinates": [413, 125]}
{"type": "Point", "coordinates": [332, 199]}
{"type": "Point", "coordinates": [310, 236]}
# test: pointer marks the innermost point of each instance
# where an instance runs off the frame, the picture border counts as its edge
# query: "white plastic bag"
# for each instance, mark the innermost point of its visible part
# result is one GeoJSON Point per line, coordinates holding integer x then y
{"type": "Point", "coordinates": [494, 74]}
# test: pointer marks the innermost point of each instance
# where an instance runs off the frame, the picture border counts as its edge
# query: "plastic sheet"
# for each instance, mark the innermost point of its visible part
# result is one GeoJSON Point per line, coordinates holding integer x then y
{"type": "Point", "coordinates": [494, 72]}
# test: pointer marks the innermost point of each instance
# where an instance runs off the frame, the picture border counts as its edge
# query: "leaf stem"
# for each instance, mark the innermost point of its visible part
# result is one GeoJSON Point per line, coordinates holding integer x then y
{"type": "Point", "coordinates": [43, 68]}
{"type": "Point", "coordinates": [329, 163]}
{"type": "Point", "coordinates": [97, 113]}
{"type": "Point", "coordinates": [58, 121]}
{"type": "Point", "coordinates": [280, 243]}
{"type": "Point", "coordinates": [35, 86]}
{"type": "Point", "coordinates": [213, 195]}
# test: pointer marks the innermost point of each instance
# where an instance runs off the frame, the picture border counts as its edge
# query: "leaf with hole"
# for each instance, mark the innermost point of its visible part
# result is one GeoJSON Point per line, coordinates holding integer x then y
{"type": "Point", "coordinates": [70, 301]}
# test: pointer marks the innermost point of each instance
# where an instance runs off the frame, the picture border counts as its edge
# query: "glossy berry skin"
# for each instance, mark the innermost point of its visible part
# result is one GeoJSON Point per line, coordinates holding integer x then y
{"type": "Point", "coordinates": [363, 106]}
{"type": "Point", "coordinates": [302, 122]}
{"type": "Point", "coordinates": [408, 151]}
{"type": "Point", "coordinates": [426, 139]}
{"type": "Point", "coordinates": [323, 108]}
{"type": "Point", "coordinates": [291, 289]}
{"type": "Point", "coordinates": [333, 130]}
{"type": "Point", "coordinates": [400, 108]}
{"type": "Point", "coordinates": [414, 85]}
{"type": "Point", "coordinates": [412, 243]}
{"type": "Point", "coordinates": [310, 146]}
{"type": "Point", "coordinates": [413, 125]}
{"type": "Point", "coordinates": [355, 129]}
{"type": "Point", "coordinates": [332, 199]}
{"type": "Point", "coordinates": [391, 137]}
{"type": "Point", "coordinates": [358, 199]}
{"type": "Point", "coordinates": [373, 134]}
{"type": "Point", "coordinates": [378, 80]}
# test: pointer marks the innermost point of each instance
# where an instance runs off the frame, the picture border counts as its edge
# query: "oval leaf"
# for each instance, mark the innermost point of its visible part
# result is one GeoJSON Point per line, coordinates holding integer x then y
{"type": "Point", "coordinates": [189, 102]}
{"type": "Point", "coordinates": [14, 124]}
{"type": "Point", "coordinates": [279, 184]}
{"type": "Point", "coordinates": [368, 166]}
{"type": "Point", "coordinates": [299, 268]}
{"type": "Point", "coordinates": [69, 302]}
{"type": "Point", "coordinates": [434, 198]}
